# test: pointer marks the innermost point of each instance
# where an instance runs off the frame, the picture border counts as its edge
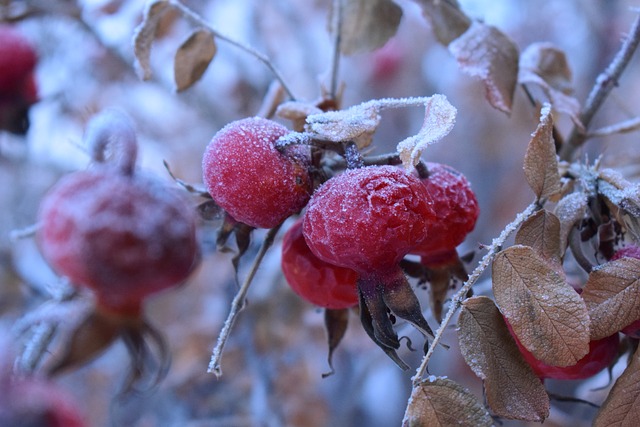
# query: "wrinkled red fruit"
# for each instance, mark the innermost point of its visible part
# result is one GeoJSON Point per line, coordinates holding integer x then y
{"type": "Point", "coordinates": [601, 354]}
{"type": "Point", "coordinates": [123, 237]}
{"type": "Point", "coordinates": [632, 330]}
{"type": "Point", "coordinates": [250, 179]}
{"type": "Point", "coordinates": [317, 281]}
{"type": "Point", "coordinates": [456, 207]}
{"type": "Point", "coordinates": [368, 218]}
{"type": "Point", "coordinates": [35, 403]}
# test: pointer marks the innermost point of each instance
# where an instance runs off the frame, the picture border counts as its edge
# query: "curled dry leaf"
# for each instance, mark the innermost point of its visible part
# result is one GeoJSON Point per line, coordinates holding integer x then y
{"type": "Point", "coordinates": [621, 405]}
{"type": "Point", "coordinates": [545, 65]}
{"type": "Point", "coordinates": [439, 118]}
{"type": "Point", "coordinates": [487, 53]}
{"type": "Point", "coordinates": [623, 198]}
{"type": "Point", "coordinates": [297, 112]}
{"type": "Point", "coordinates": [570, 210]}
{"type": "Point", "coordinates": [447, 20]}
{"type": "Point", "coordinates": [145, 33]}
{"type": "Point", "coordinates": [611, 294]}
{"type": "Point", "coordinates": [368, 24]}
{"type": "Point", "coordinates": [192, 58]}
{"type": "Point", "coordinates": [547, 315]}
{"type": "Point", "coordinates": [540, 160]}
{"type": "Point", "coordinates": [335, 323]}
{"type": "Point", "coordinates": [541, 232]}
{"type": "Point", "coordinates": [512, 389]}
{"type": "Point", "coordinates": [345, 125]}
{"type": "Point", "coordinates": [440, 402]}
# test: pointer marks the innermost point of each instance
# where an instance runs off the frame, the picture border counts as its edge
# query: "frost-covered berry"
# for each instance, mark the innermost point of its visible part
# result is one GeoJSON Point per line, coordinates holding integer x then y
{"type": "Point", "coordinates": [315, 280]}
{"type": "Point", "coordinates": [456, 209]}
{"type": "Point", "coordinates": [250, 179]}
{"type": "Point", "coordinates": [124, 237]}
{"type": "Point", "coordinates": [368, 219]}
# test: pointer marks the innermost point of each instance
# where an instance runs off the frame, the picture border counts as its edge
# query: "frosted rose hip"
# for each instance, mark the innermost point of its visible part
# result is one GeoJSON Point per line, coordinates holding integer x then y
{"type": "Point", "coordinates": [124, 237]}
{"type": "Point", "coordinates": [250, 179]}
{"type": "Point", "coordinates": [368, 217]}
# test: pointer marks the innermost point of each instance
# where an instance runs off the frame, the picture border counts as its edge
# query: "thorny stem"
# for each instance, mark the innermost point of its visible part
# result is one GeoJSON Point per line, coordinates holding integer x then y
{"type": "Point", "coordinates": [336, 22]}
{"type": "Point", "coordinates": [459, 297]}
{"type": "Point", "coordinates": [605, 83]}
{"type": "Point", "coordinates": [238, 304]}
{"type": "Point", "coordinates": [197, 20]}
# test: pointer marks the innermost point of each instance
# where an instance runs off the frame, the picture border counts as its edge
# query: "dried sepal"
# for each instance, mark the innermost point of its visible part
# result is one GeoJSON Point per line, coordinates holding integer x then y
{"type": "Point", "coordinates": [440, 402]}
{"type": "Point", "coordinates": [621, 408]}
{"type": "Point", "coordinates": [546, 314]}
{"type": "Point", "coordinates": [623, 198]}
{"type": "Point", "coordinates": [486, 53]}
{"type": "Point", "coordinates": [145, 33]}
{"type": "Point", "coordinates": [545, 65]}
{"type": "Point", "coordinates": [192, 58]}
{"type": "Point", "coordinates": [540, 160]}
{"type": "Point", "coordinates": [335, 323]}
{"type": "Point", "coordinates": [368, 24]}
{"type": "Point", "coordinates": [611, 294]}
{"type": "Point", "coordinates": [447, 20]}
{"type": "Point", "coordinates": [570, 210]}
{"type": "Point", "coordinates": [512, 389]}
{"type": "Point", "coordinates": [541, 232]}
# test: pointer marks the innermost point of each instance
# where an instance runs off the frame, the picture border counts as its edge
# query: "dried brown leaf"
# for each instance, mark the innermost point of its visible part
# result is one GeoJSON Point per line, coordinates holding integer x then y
{"type": "Point", "coordinates": [541, 232]}
{"type": "Point", "coordinates": [447, 20]}
{"type": "Point", "coordinates": [144, 35]}
{"type": "Point", "coordinates": [570, 210]}
{"type": "Point", "coordinates": [192, 58]}
{"type": "Point", "coordinates": [623, 198]}
{"type": "Point", "coordinates": [440, 402]}
{"type": "Point", "coordinates": [622, 405]}
{"type": "Point", "coordinates": [368, 24]}
{"type": "Point", "coordinates": [512, 388]}
{"type": "Point", "coordinates": [540, 160]}
{"type": "Point", "coordinates": [487, 53]}
{"type": "Point", "coordinates": [612, 294]}
{"type": "Point", "coordinates": [335, 323]}
{"type": "Point", "coordinates": [546, 314]}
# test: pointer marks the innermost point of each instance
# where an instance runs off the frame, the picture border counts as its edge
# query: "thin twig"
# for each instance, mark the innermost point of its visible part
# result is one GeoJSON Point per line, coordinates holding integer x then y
{"type": "Point", "coordinates": [626, 126]}
{"type": "Point", "coordinates": [605, 83]}
{"type": "Point", "coordinates": [197, 20]}
{"type": "Point", "coordinates": [336, 22]}
{"type": "Point", "coordinates": [459, 297]}
{"type": "Point", "coordinates": [238, 304]}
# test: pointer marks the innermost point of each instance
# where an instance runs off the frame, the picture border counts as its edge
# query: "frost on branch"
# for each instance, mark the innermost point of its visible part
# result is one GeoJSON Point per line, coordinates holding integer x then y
{"type": "Point", "coordinates": [439, 401]}
{"type": "Point", "coordinates": [368, 24]}
{"type": "Point", "coordinates": [145, 33]}
{"type": "Point", "coordinates": [512, 389]}
{"type": "Point", "coordinates": [487, 53]}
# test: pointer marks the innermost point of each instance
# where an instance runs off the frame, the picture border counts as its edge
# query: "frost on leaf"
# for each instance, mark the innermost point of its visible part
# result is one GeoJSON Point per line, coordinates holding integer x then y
{"type": "Point", "coordinates": [570, 210]}
{"type": "Point", "coordinates": [297, 112]}
{"type": "Point", "coordinates": [545, 65]}
{"type": "Point", "coordinates": [439, 118]}
{"type": "Point", "coordinates": [193, 58]}
{"type": "Point", "coordinates": [145, 33]}
{"type": "Point", "coordinates": [621, 407]}
{"type": "Point", "coordinates": [542, 233]}
{"type": "Point", "coordinates": [447, 20]}
{"type": "Point", "coordinates": [540, 160]}
{"type": "Point", "coordinates": [512, 389]}
{"type": "Point", "coordinates": [612, 295]}
{"type": "Point", "coordinates": [440, 402]}
{"type": "Point", "coordinates": [546, 314]}
{"type": "Point", "coordinates": [623, 198]}
{"type": "Point", "coordinates": [368, 24]}
{"type": "Point", "coordinates": [486, 53]}
{"type": "Point", "coordinates": [345, 125]}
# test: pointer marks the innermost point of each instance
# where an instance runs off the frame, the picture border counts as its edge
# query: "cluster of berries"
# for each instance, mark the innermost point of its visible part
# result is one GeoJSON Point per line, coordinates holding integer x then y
{"type": "Point", "coordinates": [18, 90]}
{"type": "Point", "coordinates": [356, 227]}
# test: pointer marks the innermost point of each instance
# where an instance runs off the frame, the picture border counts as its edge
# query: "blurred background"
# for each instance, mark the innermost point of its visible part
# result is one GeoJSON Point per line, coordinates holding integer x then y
{"type": "Point", "coordinates": [275, 358]}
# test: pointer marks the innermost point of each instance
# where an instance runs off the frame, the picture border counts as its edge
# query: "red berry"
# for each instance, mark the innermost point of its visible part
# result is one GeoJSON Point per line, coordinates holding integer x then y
{"type": "Point", "coordinates": [317, 281]}
{"type": "Point", "coordinates": [368, 218]}
{"type": "Point", "coordinates": [601, 354]}
{"type": "Point", "coordinates": [18, 59]}
{"type": "Point", "coordinates": [30, 402]}
{"type": "Point", "coordinates": [456, 207]}
{"type": "Point", "coordinates": [123, 236]}
{"type": "Point", "coordinates": [250, 179]}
